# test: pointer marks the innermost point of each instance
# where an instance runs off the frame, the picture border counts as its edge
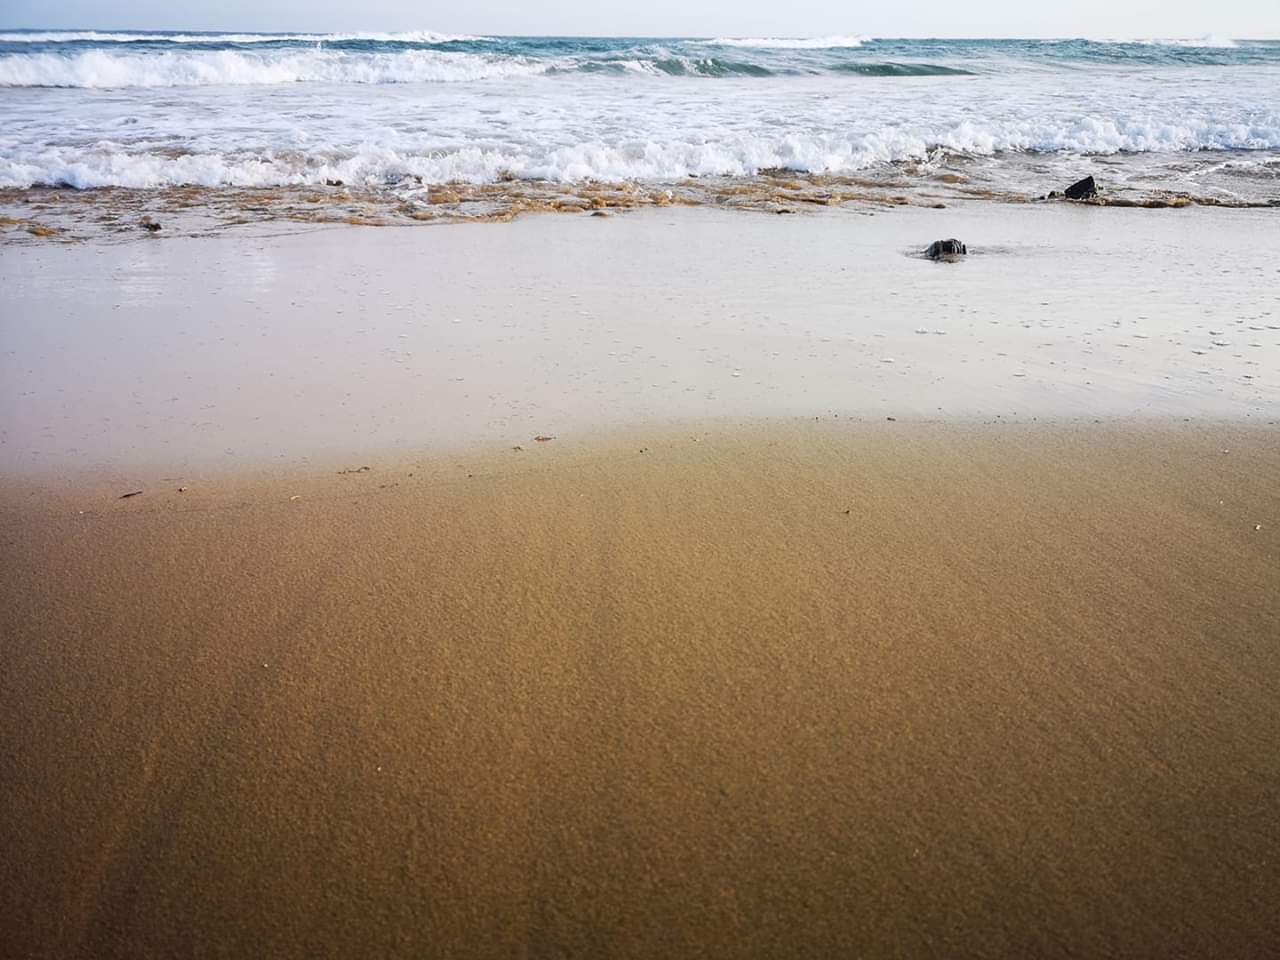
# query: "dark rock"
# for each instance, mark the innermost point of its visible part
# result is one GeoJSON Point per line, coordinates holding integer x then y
{"type": "Point", "coordinates": [945, 249]}
{"type": "Point", "coordinates": [1085, 189]}
{"type": "Point", "coordinates": [333, 183]}
{"type": "Point", "coordinates": [150, 226]}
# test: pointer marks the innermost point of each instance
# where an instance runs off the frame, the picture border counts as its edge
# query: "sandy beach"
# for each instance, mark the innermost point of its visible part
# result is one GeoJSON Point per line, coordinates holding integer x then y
{"type": "Point", "coordinates": [656, 481]}
{"type": "Point", "coordinates": [680, 584]}
{"type": "Point", "coordinates": [806, 688]}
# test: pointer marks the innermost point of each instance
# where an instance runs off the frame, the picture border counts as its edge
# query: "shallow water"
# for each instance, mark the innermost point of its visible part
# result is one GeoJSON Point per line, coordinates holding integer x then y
{"type": "Point", "coordinates": [391, 116]}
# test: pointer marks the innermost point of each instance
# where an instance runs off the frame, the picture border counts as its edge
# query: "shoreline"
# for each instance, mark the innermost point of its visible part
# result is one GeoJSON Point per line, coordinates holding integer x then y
{"type": "Point", "coordinates": [810, 687]}
{"type": "Point", "coordinates": [58, 488]}
{"type": "Point", "coordinates": [112, 214]}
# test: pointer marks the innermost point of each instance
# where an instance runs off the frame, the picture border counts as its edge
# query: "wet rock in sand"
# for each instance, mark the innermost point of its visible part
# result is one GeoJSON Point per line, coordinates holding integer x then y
{"type": "Point", "coordinates": [946, 249]}
{"type": "Point", "coordinates": [1085, 189]}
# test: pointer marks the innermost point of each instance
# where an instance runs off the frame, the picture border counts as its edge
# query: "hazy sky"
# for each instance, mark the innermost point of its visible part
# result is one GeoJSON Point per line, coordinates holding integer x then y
{"type": "Point", "coordinates": [886, 18]}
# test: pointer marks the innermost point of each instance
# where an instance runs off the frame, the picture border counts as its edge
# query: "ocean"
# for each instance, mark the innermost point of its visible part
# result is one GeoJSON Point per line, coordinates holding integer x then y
{"type": "Point", "coordinates": [422, 125]}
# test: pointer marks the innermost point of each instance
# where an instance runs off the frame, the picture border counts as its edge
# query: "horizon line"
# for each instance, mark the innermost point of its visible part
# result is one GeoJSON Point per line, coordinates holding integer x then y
{"type": "Point", "coordinates": [613, 36]}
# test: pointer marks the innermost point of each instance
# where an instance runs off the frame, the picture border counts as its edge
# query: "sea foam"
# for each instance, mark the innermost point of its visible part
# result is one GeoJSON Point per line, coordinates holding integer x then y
{"type": "Point", "coordinates": [1207, 42]}
{"type": "Point", "coordinates": [104, 68]}
{"type": "Point", "coordinates": [249, 110]}
{"type": "Point", "coordinates": [94, 36]}
{"type": "Point", "coordinates": [613, 157]}
{"type": "Point", "coordinates": [790, 43]}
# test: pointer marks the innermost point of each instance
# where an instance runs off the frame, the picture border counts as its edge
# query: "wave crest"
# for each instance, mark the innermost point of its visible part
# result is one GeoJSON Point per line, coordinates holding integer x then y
{"type": "Point", "coordinates": [789, 43]}
{"type": "Point", "coordinates": [101, 69]}
{"type": "Point", "coordinates": [425, 37]}
{"type": "Point", "coordinates": [1207, 42]}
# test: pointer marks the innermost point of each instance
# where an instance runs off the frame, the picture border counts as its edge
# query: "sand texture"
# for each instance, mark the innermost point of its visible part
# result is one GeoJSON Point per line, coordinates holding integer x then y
{"type": "Point", "coordinates": [801, 690]}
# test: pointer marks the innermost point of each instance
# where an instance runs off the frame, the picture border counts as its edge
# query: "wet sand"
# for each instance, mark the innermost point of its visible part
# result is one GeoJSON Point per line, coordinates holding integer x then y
{"type": "Point", "coordinates": [794, 689]}
{"type": "Point", "coordinates": [210, 353]}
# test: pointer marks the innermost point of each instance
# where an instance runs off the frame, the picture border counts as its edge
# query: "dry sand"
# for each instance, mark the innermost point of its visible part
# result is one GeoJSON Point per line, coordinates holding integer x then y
{"type": "Point", "coordinates": [877, 689]}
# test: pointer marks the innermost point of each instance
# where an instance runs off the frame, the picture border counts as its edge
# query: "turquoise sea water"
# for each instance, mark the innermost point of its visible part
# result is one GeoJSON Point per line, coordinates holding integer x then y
{"type": "Point", "coordinates": [706, 57]}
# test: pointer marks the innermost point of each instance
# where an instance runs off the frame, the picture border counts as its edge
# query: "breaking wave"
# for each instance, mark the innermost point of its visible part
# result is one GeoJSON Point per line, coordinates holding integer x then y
{"type": "Point", "coordinates": [98, 68]}
{"type": "Point", "coordinates": [789, 43]}
{"type": "Point", "coordinates": [426, 37]}
{"type": "Point", "coordinates": [90, 59]}
{"type": "Point", "coordinates": [102, 68]}
{"type": "Point", "coordinates": [614, 159]}
{"type": "Point", "coordinates": [282, 110]}
{"type": "Point", "coordinates": [1208, 42]}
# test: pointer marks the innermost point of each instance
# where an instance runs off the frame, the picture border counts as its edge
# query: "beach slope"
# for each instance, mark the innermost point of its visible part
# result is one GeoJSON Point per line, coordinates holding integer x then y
{"type": "Point", "coordinates": [800, 689]}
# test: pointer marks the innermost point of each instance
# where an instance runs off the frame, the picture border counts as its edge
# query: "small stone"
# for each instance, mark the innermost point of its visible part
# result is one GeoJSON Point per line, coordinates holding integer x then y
{"type": "Point", "coordinates": [946, 249]}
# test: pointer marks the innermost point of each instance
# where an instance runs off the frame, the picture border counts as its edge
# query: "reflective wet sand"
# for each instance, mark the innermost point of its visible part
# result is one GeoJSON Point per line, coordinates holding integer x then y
{"type": "Point", "coordinates": [170, 354]}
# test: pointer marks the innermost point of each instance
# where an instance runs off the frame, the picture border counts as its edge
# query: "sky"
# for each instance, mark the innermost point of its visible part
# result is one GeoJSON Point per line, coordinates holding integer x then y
{"type": "Point", "coordinates": [694, 18]}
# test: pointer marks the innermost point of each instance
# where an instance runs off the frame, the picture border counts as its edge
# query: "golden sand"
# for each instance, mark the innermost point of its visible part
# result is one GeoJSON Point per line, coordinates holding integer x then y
{"type": "Point", "coordinates": [812, 690]}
